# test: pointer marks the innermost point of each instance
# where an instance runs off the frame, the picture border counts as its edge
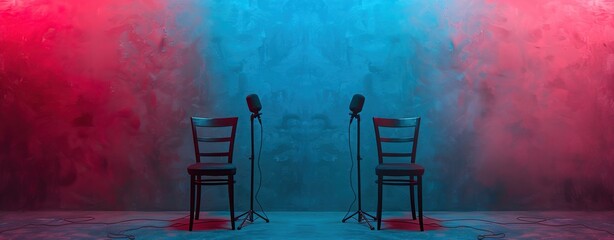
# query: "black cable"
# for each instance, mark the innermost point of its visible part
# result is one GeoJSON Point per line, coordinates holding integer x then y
{"type": "Point", "coordinates": [122, 235]}
{"type": "Point", "coordinates": [523, 221]}
{"type": "Point", "coordinates": [351, 169]}
{"type": "Point", "coordinates": [527, 221]}
{"type": "Point", "coordinates": [260, 172]}
{"type": "Point", "coordinates": [111, 235]}
{"type": "Point", "coordinates": [86, 221]}
{"type": "Point", "coordinates": [491, 234]}
{"type": "Point", "coordinates": [48, 225]}
{"type": "Point", "coordinates": [541, 221]}
{"type": "Point", "coordinates": [127, 220]}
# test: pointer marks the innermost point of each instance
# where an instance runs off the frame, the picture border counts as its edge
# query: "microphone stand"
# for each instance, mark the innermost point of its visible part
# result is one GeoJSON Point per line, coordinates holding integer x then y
{"type": "Point", "coordinates": [361, 214]}
{"type": "Point", "coordinates": [249, 215]}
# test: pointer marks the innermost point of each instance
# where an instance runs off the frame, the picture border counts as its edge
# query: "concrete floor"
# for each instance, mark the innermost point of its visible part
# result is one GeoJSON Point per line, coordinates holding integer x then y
{"type": "Point", "coordinates": [305, 225]}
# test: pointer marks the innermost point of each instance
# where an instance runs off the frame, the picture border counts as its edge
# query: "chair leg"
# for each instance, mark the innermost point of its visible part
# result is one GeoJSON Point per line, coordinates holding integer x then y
{"type": "Point", "coordinates": [379, 202]}
{"type": "Point", "coordinates": [420, 202]}
{"type": "Point", "coordinates": [413, 202]}
{"type": "Point", "coordinates": [231, 199]}
{"type": "Point", "coordinates": [192, 178]}
{"type": "Point", "coordinates": [198, 186]}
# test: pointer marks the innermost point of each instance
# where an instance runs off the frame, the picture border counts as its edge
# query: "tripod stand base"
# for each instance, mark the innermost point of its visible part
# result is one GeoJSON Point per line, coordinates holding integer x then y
{"type": "Point", "coordinates": [249, 217]}
{"type": "Point", "coordinates": [362, 216]}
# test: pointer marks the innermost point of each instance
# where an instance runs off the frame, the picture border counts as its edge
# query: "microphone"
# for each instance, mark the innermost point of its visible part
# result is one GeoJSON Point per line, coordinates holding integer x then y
{"type": "Point", "coordinates": [253, 103]}
{"type": "Point", "coordinates": [358, 101]}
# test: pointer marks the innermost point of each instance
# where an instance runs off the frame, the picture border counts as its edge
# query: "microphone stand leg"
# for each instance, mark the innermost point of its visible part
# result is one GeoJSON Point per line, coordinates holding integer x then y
{"type": "Point", "coordinates": [263, 218]}
{"type": "Point", "coordinates": [348, 217]}
{"type": "Point", "coordinates": [243, 214]}
{"type": "Point", "coordinates": [248, 216]}
{"type": "Point", "coordinates": [362, 217]}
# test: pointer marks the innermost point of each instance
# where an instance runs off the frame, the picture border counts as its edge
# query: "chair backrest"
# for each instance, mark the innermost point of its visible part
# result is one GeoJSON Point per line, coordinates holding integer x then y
{"type": "Point", "coordinates": [413, 127]}
{"type": "Point", "coordinates": [198, 122]}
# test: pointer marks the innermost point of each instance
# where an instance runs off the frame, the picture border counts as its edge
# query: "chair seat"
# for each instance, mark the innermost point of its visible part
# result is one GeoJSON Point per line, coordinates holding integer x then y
{"type": "Point", "coordinates": [399, 169]}
{"type": "Point", "coordinates": [212, 169]}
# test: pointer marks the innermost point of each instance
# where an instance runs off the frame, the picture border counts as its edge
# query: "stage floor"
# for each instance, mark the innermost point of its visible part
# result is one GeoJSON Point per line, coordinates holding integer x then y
{"type": "Point", "coordinates": [306, 225]}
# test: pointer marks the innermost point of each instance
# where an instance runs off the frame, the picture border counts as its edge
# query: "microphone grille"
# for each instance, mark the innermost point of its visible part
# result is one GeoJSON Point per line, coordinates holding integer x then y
{"type": "Point", "coordinates": [358, 100]}
{"type": "Point", "coordinates": [253, 103]}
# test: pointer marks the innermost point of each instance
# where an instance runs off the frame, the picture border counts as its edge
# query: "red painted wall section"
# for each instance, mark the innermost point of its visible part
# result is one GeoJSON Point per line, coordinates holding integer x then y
{"type": "Point", "coordinates": [539, 94]}
{"type": "Point", "coordinates": [94, 101]}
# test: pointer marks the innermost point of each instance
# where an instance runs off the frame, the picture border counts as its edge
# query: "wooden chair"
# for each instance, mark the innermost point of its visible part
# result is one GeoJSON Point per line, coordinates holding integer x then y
{"type": "Point", "coordinates": [212, 173]}
{"type": "Point", "coordinates": [405, 173]}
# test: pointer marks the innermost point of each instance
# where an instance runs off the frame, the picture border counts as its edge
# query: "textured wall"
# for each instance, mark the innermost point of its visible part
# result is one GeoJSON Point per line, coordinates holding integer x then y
{"type": "Point", "coordinates": [515, 98]}
{"type": "Point", "coordinates": [537, 94]}
{"type": "Point", "coordinates": [93, 97]}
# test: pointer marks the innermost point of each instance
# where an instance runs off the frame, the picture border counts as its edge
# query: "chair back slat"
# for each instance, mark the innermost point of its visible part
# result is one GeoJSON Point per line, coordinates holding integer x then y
{"type": "Point", "coordinates": [397, 140]}
{"type": "Point", "coordinates": [397, 122]}
{"type": "Point", "coordinates": [411, 125]}
{"type": "Point", "coordinates": [214, 139]}
{"type": "Point", "coordinates": [214, 154]}
{"type": "Point", "coordinates": [214, 122]}
{"type": "Point", "coordinates": [204, 123]}
{"type": "Point", "coordinates": [385, 154]}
